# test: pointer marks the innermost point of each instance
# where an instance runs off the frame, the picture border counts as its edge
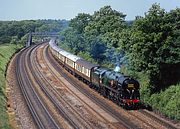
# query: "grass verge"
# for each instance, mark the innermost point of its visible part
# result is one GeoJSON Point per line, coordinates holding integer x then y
{"type": "Point", "coordinates": [6, 52]}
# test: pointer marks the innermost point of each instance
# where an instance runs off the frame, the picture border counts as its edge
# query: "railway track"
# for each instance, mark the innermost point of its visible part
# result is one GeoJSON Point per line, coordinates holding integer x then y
{"type": "Point", "coordinates": [57, 98]}
{"type": "Point", "coordinates": [78, 85]}
{"type": "Point", "coordinates": [29, 68]}
{"type": "Point", "coordinates": [37, 79]}
{"type": "Point", "coordinates": [118, 116]}
{"type": "Point", "coordinates": [163, 122]}
{"type": "Point", "coordinates": [40, 114]}
{"type": "Point", "coordinates": [83, 115]}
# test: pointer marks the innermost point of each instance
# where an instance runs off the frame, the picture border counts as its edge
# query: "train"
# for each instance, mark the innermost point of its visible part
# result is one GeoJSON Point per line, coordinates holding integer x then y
{"type": "Point", "coordinates": [121, 89]}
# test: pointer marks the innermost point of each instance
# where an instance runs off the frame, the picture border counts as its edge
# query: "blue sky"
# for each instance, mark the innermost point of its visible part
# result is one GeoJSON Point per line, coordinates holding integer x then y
{"type": "Point", "coordinates": [67, 9]}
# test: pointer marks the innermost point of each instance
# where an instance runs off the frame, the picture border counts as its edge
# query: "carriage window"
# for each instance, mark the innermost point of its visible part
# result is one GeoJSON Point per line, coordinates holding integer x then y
{"type": "Point", "coordinates": [69, 62]}
{"type": "Point", "coordinates": [85, 71]}
{"type": "Point", "coordinates": [79, 68]}
{"type": "Point", "coordinates": [61, 57]}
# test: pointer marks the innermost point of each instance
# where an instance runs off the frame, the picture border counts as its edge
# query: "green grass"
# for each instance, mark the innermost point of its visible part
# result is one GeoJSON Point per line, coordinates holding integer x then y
{"type": "Point", "coordinates": [6, 51]}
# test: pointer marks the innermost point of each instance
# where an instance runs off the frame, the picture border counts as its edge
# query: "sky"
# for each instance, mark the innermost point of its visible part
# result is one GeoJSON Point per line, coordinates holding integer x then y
{"type": "Point", "coordinates": [68, 9]}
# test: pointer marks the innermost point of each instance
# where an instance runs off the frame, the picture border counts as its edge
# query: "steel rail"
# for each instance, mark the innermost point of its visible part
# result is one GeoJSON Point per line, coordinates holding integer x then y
{"type": "Point", "coordinates": [39, 113]}
{"type": "Point", "coordinates": [43, 83]}
{"type": "Point", "coordinates": [125, 122]}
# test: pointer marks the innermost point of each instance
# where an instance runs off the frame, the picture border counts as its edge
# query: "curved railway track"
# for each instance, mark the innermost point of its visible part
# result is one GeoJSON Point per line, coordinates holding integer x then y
{"type": "Point", "coordinates": [75, 119]}
{"type": "Point", "coordinates": [117, 115]}
{"type": "Point", "coordinates": [90, 122]}
{"type": "Point", "coordinates": [40, 114]}
{"type": "Point", "coordinates": [56, 98]}
{"type": "Point", "coordinates": [29, 72]}
{"type": "Point", "coordinates": [122, 120]}
{"type": "Point", "coordinates": [78, 110]}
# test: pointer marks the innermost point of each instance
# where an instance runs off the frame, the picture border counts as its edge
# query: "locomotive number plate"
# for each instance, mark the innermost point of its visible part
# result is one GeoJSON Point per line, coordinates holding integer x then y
{"type": "Point", "coordinates": [130, 85]}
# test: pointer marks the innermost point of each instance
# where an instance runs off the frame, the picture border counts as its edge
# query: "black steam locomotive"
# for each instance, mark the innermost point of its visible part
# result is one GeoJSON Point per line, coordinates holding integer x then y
{"type": "Point", "coordinates": [124, 90]}
{"type": "Point", "coordinates": [121, 89]}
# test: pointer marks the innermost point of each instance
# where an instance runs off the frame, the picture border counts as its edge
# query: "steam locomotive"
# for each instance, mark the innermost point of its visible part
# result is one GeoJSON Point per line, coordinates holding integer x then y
{"type": "Point", "coordinates": [121, 89]}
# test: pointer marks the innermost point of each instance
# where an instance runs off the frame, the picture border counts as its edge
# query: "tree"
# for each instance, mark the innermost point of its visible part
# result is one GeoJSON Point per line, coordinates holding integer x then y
{"type": "Point", "coordinates": [14, 40]}
{"type": "Point", "coordinates": [106, 24]}
{"type": "Point", "coordinates": [152, 45]}
{"type": "Point", "coordinates": [80, 22]}
{"type": "Point", "coordinates": [73, 36]}
{"type": "Point", "coordinates": [73, 40]}
{"type": "Point", "coordinates": [9, 29]}
{"type": "Point", "coordinates": [97, 50]}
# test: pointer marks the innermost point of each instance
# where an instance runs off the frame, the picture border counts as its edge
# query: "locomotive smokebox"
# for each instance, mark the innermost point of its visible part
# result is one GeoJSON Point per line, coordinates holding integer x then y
{"type": "Point", "coordinates": [130, 83]}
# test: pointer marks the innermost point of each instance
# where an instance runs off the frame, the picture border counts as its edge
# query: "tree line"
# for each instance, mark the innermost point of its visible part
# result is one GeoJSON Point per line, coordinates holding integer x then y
{"type": "Point", "coordinates": [16, 31]}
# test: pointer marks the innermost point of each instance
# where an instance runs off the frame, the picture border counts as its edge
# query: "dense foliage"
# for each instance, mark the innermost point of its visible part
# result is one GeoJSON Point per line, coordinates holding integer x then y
{"type": "Point", "coordinates": [153, 45]}
{"type": "Point", "coordinates": [16, 30]}
{"type": "Point", "coordinates": [96, 35]}
{"type": "Point", "coordinates": [167, 101]}
{"type": "Point", "coordinates": [150, 45]}
{"type": "Point", "coordinates": [105, 24]}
